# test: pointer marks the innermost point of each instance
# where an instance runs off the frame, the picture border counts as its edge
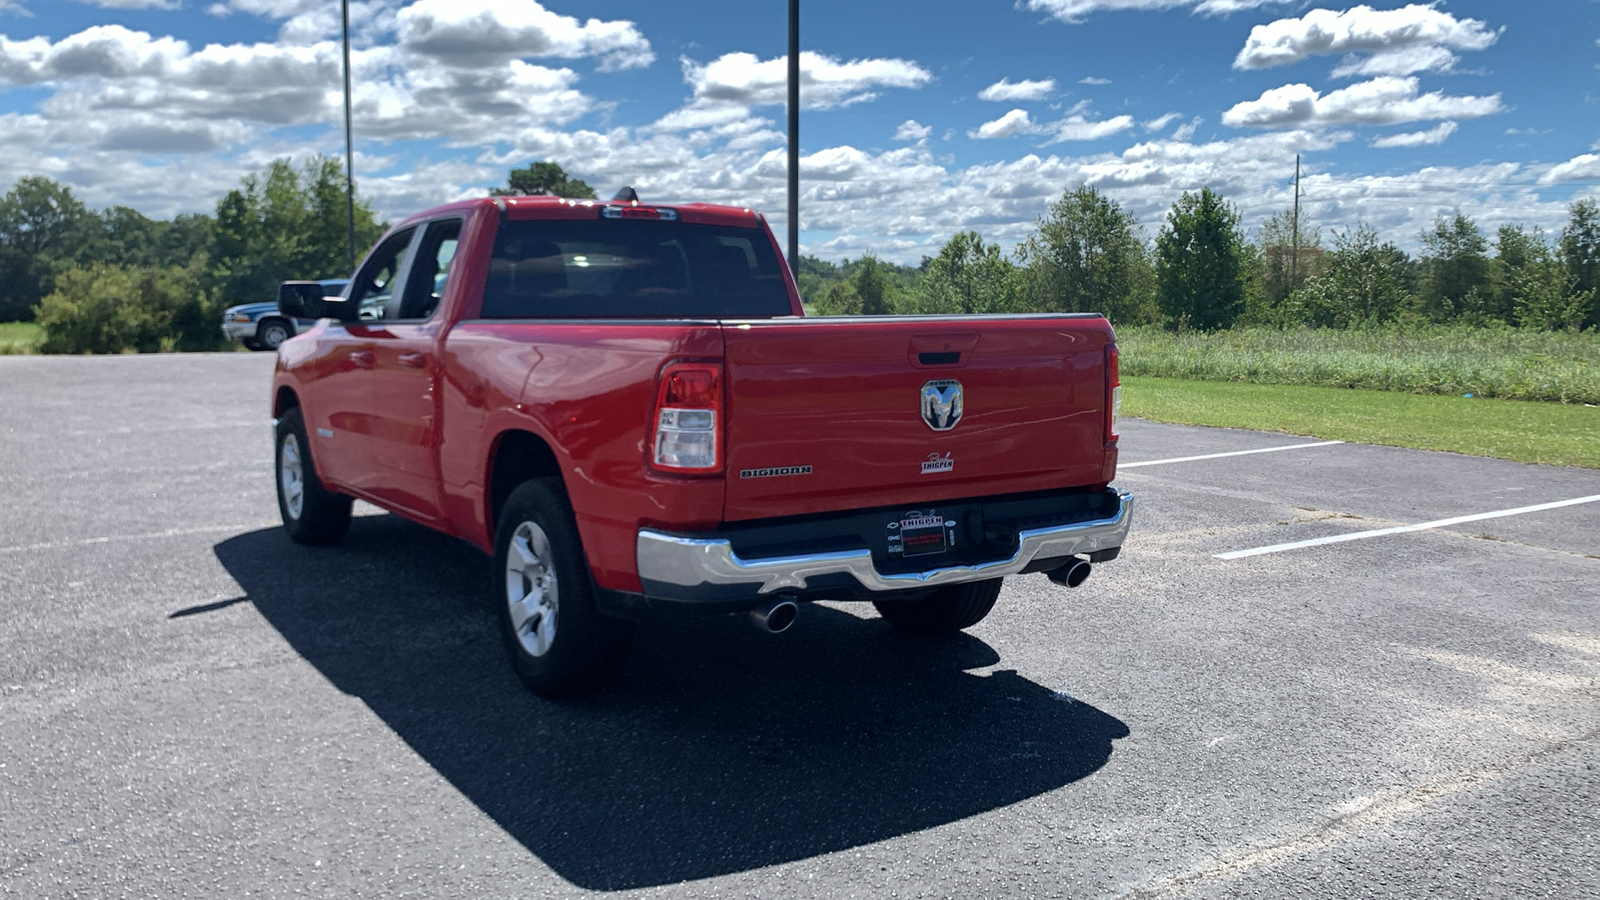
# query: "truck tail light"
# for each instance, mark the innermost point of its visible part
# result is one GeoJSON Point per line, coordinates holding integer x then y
{"type": "Point", "coordinates": [688, 419]}
{"type": "Point", "coordinates": [1113, 393]}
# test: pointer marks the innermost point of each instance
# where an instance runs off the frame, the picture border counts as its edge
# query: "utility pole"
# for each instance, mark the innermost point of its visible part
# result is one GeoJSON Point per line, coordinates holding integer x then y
{"type": "Point", "coordinates": [349, 144]}
{"type": "Point", "coordinates": [794, 137]}
{"type": "Point", "coordinates": [1294, 266]}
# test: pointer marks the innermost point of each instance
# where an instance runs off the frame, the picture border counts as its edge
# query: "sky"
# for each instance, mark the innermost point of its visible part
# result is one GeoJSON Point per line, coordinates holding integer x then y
{"type": "Point", "coordinates": [919, 118]}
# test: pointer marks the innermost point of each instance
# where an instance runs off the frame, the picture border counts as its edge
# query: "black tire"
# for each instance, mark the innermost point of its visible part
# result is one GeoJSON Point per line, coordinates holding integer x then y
{"type": "Point", "coordinates": [273, 332]}
{"type": "Point", "coordinates": [558, 642]}
{"type": "Point", "coordinates": [946, 611]}
{"type": "Point", "coordinates": [321, 516]}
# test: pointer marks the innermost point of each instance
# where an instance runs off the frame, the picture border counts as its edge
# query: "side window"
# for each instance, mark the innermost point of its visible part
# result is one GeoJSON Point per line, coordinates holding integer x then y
{"type": "Point", "coordinates": [374, 285]}
{"type": "Point", "coordinates": [430, 269]}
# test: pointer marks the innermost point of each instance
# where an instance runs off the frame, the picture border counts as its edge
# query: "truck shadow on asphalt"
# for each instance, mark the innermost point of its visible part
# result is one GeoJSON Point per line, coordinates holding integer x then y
{"type": "Point", "coordinates": [719, 750]}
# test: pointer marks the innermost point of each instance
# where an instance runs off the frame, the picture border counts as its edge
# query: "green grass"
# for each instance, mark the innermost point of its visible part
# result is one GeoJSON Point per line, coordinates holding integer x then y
{"type": "Point", "coordinates": [1452, 360]}
{"type": "Point", "coordinates": [1550, 433]}
{"type": "Point", "coordinates": [20, 337]}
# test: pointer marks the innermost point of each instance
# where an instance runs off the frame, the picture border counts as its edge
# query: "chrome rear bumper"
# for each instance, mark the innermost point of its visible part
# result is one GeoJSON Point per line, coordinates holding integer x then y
{"type": "Point", "coordinates": [676, 567]}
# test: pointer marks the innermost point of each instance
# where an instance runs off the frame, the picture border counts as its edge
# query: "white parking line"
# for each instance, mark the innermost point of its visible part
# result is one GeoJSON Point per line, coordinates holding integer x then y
{"type": "Point", "coordinates": [149, 535]}
{"type": "Point", "coordinates": [1402, 529]}
{"type": "Point", "coordinates": [1179, 459]}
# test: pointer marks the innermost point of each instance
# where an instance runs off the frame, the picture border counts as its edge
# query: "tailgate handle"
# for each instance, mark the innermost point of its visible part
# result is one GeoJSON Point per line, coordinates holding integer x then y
{"type": "Point", "coordinates": [941, 349]}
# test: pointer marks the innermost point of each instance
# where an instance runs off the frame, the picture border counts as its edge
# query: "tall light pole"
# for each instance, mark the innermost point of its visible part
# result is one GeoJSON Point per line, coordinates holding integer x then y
{"type": "Point", "coordinates": [794, 136]}
{"type": "Point", "coordinates": [349, 143]}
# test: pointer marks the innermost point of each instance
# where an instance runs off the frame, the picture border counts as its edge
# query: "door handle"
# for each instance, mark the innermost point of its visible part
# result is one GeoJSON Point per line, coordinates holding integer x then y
{"type": "Point", "coordinates": [414, 360]}
{"type": "Point", "coordinates": [364, 359]}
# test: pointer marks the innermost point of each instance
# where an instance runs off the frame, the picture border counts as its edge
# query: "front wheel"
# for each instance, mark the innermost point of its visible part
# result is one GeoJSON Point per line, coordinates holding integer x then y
{"type": "Point", "coordinates": [559, 643]}
{"type": "Point", "coordinates": [273, 332]}
{"type": "Point", "coordinates": [311, 513]}
{"type": "Point", "coordinates": [946, 611]}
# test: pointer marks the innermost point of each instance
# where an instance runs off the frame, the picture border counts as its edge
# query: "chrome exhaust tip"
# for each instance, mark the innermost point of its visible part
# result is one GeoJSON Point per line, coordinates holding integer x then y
{"type": "Point", "coordinates": [1072, 574]}
{"type": "Point", "coordinates": [775, 618]}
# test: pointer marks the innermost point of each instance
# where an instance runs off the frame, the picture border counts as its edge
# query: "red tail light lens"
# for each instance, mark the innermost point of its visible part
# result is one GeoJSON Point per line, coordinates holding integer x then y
{"type": "Point", "coordinates": [687, 427]}
{"type": "Point", "coordinates": [1113, 393]}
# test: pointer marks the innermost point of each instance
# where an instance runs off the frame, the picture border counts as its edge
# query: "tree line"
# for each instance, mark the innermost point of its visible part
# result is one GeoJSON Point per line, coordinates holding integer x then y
{"type": "Point", "coordinates": [1088, 254]}
{"type": "Point", "coordinates": [114, 280]}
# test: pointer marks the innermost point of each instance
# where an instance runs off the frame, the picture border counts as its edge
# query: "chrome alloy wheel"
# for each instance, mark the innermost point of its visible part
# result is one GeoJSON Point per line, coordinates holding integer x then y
{"type": "Point", "coordinates": [292, 476]}
{"type": "Point", "coordinates": [532, 593]}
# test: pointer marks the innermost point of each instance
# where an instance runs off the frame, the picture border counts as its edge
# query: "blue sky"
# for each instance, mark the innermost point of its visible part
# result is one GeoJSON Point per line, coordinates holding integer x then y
{"type": "Point", "coordinates": [920, 119]}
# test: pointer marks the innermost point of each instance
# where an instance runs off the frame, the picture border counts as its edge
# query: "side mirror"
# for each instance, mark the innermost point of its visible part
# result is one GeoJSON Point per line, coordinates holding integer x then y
{"type": "Point", "coordinates": [300, 299]}
{"type": "Point", "coordinates": [305, 300]}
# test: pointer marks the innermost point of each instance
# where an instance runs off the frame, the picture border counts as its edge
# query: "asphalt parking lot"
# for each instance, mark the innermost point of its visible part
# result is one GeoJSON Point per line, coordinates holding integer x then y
{"type": "Point", "coordinates": [193, 706]}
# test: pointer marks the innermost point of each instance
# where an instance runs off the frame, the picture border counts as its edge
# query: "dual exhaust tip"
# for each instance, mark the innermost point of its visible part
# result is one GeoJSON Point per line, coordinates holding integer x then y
{"type": "Point", "coordinates": [1072, 574]}
{"type": "Point", "coordinates": [778, 616]}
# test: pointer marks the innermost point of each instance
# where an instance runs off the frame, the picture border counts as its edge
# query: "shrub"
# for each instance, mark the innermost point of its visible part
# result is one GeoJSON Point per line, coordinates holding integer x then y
{"type": "Point", "coordinates": [109, 309]}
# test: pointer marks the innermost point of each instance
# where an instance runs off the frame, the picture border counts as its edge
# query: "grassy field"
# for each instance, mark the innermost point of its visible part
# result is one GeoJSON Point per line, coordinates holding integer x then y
{"type": "Point", "coordinates": [1502, 363]}
{"type": "Point", "coordinates": [1551, 433]}
{"type": "Point", "coordinates": [20, 337]}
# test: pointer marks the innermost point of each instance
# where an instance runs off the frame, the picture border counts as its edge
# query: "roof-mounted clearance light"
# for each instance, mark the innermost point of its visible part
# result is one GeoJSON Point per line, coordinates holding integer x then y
{"type": "Point", "coordinates": [638, 212]}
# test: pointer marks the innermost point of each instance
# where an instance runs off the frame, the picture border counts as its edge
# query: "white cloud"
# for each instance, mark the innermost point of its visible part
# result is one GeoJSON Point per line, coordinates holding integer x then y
{"type": "Point", "coordinates": [912, 130]}
{"type": "Point", "coordinates": [1003, 91]}
{"type": "Point", "coordinates": [1410, 39]}
{"type": "Point", "coordinates": [1381, 101]}
{"type": "Point", "coordinates": [1077, 128]}
{"type": "Point", "coordinates": [134, 4]}
{"type": "Point", "coordinates": [1579, 168]}
{"type": "Point", "coordinates": [1186, 130]}
{"type": "Point", "coordinates": [1073, 12]}
{"type": "Point", "coordinates": [1012, 123]}
{"type": "Point", "coordinates": [484, 33]}
{"type": "Point", "coordinates": [1403, 61]}
{"type": "Point", "coordinates": [1074, 127]}
{"type": "Point", "coordinates": [1093, 80]}
{"type": "Point", "coordinates": [1161, 122]}
{"type": "Point", "coordinates": [1418, 138]}
{"type": "Point", "coordinates": [825, 82]}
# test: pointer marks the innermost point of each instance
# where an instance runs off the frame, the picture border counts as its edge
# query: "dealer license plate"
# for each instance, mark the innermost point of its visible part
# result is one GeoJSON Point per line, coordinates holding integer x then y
{"type": "Point", "coordinates": [919, 533]}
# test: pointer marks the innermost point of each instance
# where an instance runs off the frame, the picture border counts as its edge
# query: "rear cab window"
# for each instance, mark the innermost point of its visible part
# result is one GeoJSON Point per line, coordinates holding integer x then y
{"type": "Point", "coordinates": [573, 268]}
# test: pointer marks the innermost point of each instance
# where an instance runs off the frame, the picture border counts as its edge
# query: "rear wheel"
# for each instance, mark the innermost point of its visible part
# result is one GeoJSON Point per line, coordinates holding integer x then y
{"type": "Point", "coordinates": [559, 643]}
{"type": "Point", "coordinates": [311, 513]}
{"type": "Point", "coordinates": [947, 610]}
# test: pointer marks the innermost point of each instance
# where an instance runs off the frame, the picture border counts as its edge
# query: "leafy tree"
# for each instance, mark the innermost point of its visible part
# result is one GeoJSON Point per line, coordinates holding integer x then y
{"type": "Point", "coordinates": [871, 286]}
{"type": "Point", "coordinates": [281, 225]}
{"type": "Point", "coordinates": [1201, 263]}
{"type": "Point", "coordinates": [41, 226]}
{"type": "Point", "coordinates": [544, 178]}
{"type": "Point", "coordinates": [1580, 251]}
{"type": "Point", "coordinates": [1529, 285]}
{"type": "Point", "coordinates": [840, 299]}
{"type": "Point", "coordinates": [968, 276]}
{"type": "Point", "coordinates": [813, 277]}
{"type": "Point", "coordinates": [1087, 256]}
{"type": "Point", "coordinates": [1282, 271]}
{"type": "Point", "coordinates": [1362, 282]}
{"type": "Point", "coordinates": [1456, 269]}
{"type": "Point", "coordinates": [123, 236]}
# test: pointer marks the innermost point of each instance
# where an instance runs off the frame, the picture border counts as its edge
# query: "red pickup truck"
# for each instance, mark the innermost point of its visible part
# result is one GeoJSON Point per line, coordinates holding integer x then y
{"type": "Point", "coordinates": [625, 405]}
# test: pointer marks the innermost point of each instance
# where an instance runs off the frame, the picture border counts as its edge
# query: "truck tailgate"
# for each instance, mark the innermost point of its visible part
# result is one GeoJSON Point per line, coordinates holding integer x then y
{"type": "Point", "coordinates": [829, 414]}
